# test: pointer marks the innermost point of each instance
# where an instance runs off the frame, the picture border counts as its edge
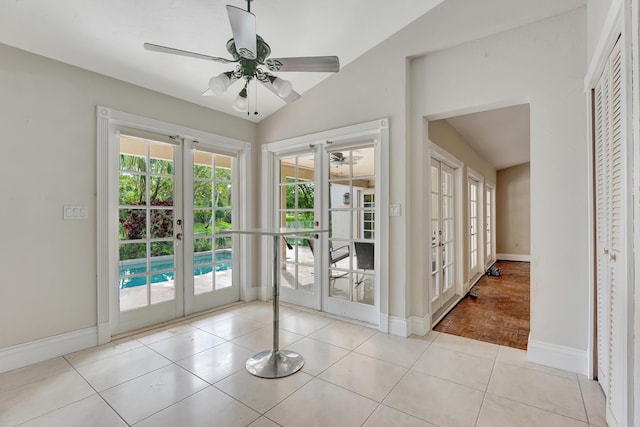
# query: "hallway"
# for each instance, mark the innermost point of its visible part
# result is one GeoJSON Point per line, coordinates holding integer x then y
{"type": "Point", "coordinates": [500, 312]}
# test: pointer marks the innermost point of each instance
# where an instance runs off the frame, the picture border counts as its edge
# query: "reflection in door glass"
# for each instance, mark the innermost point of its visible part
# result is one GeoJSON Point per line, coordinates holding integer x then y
{"type": "Point", "coordinates": [352, 224]}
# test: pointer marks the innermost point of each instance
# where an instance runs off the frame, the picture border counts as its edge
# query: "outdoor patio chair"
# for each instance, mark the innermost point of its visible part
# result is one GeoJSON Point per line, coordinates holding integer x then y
{"type": "Point", "coordinates": [335, 256]}
{"type": "Point", "coordinates": [364, 259]}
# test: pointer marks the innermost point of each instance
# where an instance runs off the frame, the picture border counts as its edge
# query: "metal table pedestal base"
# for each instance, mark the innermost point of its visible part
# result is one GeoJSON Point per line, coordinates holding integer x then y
{"type": "Point", "coordinates": [274, 363]}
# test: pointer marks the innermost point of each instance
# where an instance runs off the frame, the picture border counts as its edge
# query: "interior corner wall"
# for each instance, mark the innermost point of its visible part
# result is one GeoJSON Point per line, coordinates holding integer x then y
{"type": "Point", "coordinates": [48, 122]}
{"type": "Point", "coordinates": [446, 137]}
{"type": "Point", "coordinates": [545, 63]}
{"type": "Point", "coordinates": [513, 210]}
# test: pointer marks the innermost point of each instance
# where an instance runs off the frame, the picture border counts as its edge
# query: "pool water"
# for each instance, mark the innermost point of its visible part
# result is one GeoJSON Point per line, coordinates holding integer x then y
{"type": "Point", "coordinates": [162, 268]}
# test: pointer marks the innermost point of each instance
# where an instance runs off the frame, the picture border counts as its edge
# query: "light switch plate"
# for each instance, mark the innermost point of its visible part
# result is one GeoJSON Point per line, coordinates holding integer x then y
{"type": "Point", "coordinates": [394, 209]}
{"type": "Point", "coordinates": [75, 212]}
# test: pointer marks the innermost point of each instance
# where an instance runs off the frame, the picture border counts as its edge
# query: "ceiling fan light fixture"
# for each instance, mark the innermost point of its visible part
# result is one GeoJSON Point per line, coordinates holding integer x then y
{"type": "Point", "coordinates": [283, 87]}
{"type": "Point", "coordinates": [220, 83]}
{"type": "Point", "coordinates": [241, 104]}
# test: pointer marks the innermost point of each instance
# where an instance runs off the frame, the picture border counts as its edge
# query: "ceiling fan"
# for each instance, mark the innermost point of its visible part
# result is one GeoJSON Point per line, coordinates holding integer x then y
{"type": "Point", "coordinates": [250, 52]}
{"type": "Point", "coordinates": [339, 159]}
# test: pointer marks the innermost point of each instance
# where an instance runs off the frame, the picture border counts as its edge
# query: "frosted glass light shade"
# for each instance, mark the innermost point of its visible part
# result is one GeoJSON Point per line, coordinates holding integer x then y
{"type": "Point", "coordinates": [240, 104]}
{"type": "Point", "coordinates": [219, 84]}
{"type": "Point", "coordinates": [283, 87]}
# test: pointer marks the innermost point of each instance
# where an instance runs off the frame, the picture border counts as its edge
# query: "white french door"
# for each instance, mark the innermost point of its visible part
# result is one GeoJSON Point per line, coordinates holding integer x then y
{"type": "Point", "coordinates": [489, 241]}
{"type": "Point", "coordinates": [612, 245]}
{"type": "Point", "coordinates": [350, 280]}
{"type": "Point", "coordinates": [443, 239]}
{"type": "Point", "coordinates": [172, 200]}
{"type": "Point", "coordinates": [299, 282]}
{"type": "Point", "coordinates": [335, 180]}
{"type": "Point", "coordinates": [474, 237]}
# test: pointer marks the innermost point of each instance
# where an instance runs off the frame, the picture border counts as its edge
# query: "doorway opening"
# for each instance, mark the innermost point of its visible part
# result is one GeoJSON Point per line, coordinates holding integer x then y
{"type": "Point", "coordinates": [492, 151]}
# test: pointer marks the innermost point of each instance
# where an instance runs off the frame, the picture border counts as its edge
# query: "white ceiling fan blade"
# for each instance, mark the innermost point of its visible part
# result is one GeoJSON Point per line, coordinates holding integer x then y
{"type": "Point", "coordinates": [329, 64]}
{"type": "Point", "coordinates": [292, 97]}
{"type": "Point", "coordinates": [164, 49]}
{"type": "Point", "coordinates": [243, 27]}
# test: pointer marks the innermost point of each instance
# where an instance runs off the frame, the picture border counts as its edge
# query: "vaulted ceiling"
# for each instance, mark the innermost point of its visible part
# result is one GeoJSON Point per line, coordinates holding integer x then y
{"type": "Point", "coordinates": [107, 37]}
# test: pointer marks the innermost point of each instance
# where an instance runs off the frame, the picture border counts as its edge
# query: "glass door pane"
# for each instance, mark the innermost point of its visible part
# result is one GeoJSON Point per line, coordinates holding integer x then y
{"type": "Point", "coordinates": [147, 267]}
{"type": "Point", "coordinates": [352, 207]}
{"type": "Point", "coordinates": [212, 212]}
{"type": "Point", "coordinates": [443, 239]}
{"type": "Point", "coordinates": [297, 191]}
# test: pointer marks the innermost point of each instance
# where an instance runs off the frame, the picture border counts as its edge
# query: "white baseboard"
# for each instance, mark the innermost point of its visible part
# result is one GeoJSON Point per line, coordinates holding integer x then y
{"type": "Point", "coordinates": [419, 325]}
{"type": "Point", "coordinates": [557, 356]}
{"type": "Point", "coordinates": [250, 294]}
{"type": "Point", "coordinates": [513, 257]}
{"type": "Point", "coordinates": [399, 326]}
{"type": "Point", "coordinates": [383, 326]}
{"type": "Point", "coordinates": [40, 350]}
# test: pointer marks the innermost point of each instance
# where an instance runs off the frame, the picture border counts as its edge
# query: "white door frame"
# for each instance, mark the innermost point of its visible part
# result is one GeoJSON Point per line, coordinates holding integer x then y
{"type": "Point", "coordinates": [107, 159]}
{"type": "Point", "coordinates": [377, 130]}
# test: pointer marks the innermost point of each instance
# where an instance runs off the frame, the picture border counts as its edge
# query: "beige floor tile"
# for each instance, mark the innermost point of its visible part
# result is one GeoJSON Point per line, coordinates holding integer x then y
{"type": "Point", "coordinates": [91, 411]}
{"type": "Point", "coordinates": [550, 392]}
{"type": "Point", "coordinates": [141, 397]}
{"type": "Point", "coordinates": [262, 339]}
{"type": "Point", "coordinates": [594, 401]}
{"type": "Point", "coordinates": [461, 368]}
{"type": "Point", "coordinates": [263, 311]}
{"type": "Point", "coordinates": [394, 349]}
{"type": "Point", "coordinates": [321, 404]}
{"type": "Point", "coordinates": [343, 334]}
{"type": "Point", "coordinates": [304, 323]}
{"type": "Point", "coordinates": [109, 372]}
{"type": "Point", "coordinates": [32, 373]}
{"type": "Point", "coordinates": [364, 375]}
{"type": "Point", "coordinates": [206, 408]}
{"type": "Point", "coordinates": [233, 327]}
{"type": "Point", "coordinates": [261, 394]}
{"type": "Point", "coordinates": [385, 416]}
{"type": "Point", "coordinates": [317, 355]}
{"type": "Point", "coordinates": [211, 318]}
{"type": "Point", "coordinates": [40, 397]}
{"type": "Point", "coordinates": [186, 344]}
{"type": "Point", "coordinates": [102, 351]}
{"type": "Point", "coordinates": [218, 362]}
{"type": "Point", "coordinates": [263, 422]}
{"type": "Point", "coordinates": [466, 345]}
{"type": "Point", "coordinates": [499, 412]}
{"type": "Point", "coordinates": [435, 400]}
{"type": "Point", "coordinates": [514, 356]}
{"type": "Point", "coordinates": [155, 335]}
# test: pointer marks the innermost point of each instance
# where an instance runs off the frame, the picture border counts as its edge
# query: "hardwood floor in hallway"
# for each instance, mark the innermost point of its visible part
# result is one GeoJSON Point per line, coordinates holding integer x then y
{"type": "Point", "coordinates": [500, 312]}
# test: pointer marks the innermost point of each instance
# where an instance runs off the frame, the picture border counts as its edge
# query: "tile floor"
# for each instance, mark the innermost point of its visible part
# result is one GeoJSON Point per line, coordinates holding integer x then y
{"type": "Point", "coordinates": [192, 374]}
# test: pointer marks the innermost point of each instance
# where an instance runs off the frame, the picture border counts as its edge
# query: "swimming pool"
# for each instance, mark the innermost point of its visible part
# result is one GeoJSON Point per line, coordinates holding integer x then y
{"type": "Point", "coordinates": [132, 272]}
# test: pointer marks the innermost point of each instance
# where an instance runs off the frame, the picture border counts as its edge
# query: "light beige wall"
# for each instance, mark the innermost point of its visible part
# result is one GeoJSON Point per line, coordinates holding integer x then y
{"type": "Point", "coordinates": [446, 137]}
{"type": "Point", "coordinates": [513, 210]}
{"type": "Point", "coordinates": [48, 160]}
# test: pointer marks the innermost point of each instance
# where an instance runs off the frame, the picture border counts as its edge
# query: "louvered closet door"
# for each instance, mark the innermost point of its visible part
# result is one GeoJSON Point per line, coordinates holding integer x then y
{"type": "Point", "coordinates": [611, 237]}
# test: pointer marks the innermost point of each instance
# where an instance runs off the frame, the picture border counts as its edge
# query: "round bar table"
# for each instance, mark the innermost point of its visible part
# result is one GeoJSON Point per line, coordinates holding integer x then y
{"type": "Point", "coordinates": [275, 363]}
